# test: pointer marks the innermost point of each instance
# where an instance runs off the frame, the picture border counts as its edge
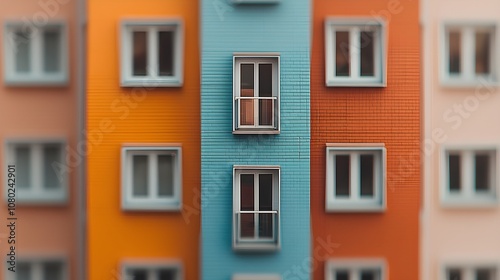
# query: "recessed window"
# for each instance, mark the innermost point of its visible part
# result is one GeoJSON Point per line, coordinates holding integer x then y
{"type": "Point", "coordinates": [256, 94]}
{"type": "Point", "coordinates": [41, 175]}
{"type": "Point", "coordinates": [256, 208]}
{"type": "Point", "coordinates": [355, 269]}
{"type": "Point", "coordinates": [151, 53]}
{"type": "Point", "coordinates": [470, 273]}
{"type": "Point", "coordinates": [156, 270]}
{"type": "Point", "coordinates": [468, 54]}
{"type": "Point", "coordinates": [355, 52]}
{"type": "Point", "coordinates": [470, 176]}
{"type": "Point", "coordinates": [38, 270]}
{"type": "Point", "coordinates": [151, 178]}
{"type": "Point", "coordinates": [355, 178]}
{"type": "Point", "coordinates": [35, 55]}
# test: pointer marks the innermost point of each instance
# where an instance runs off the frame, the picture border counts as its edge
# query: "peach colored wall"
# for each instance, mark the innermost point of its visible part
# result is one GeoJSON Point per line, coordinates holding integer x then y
{"type": "Point", "coordinates": [34, 113]}
{"type": "Point", "coordinates": [468, 234]}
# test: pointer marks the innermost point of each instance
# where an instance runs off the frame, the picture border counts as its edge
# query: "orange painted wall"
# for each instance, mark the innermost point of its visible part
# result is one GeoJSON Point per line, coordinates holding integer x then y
{"type": "Point", "coordinates": [389, 115]}
{"type": "Point", "coordinates": [118, 115]}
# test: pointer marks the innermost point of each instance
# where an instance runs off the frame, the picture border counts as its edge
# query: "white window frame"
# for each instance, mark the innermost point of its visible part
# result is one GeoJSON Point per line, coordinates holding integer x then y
{"type": "Point", "coordinates": [467, 76]}
{"type": "Point", "coordinates": [354, 26]}
{"type": "Point", "coordinates": [152, 266]}
{"type": "Point", "coordinates": [153, 202]}
{"type": "Point", "coordinates": [468, 197]}
{"type": "Point", "coordinates": [38, 194]}
{"type": "Point", "coordinates": [36, 76]}
{"type": "Point", "coordinates": [246, 58]}
{"type": "Point", "coordinates": [354, 266]}
{"type": "Point", "coordinates": [468, 266]}
{"type": "Point", "coordinates": [355, 203]}
{"type": "Point", "coordinates": [151, 27]}
{"type": "Point", "coordinates": [255, 244]}
{"type": "Point", "coordinates": [247, 276]}
{"type": "Point", "coordinates": [36, 263]}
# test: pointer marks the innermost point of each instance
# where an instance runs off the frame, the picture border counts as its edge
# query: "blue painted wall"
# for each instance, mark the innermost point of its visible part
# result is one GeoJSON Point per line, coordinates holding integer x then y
{"type": "Point", "coordinates": [225, 29]}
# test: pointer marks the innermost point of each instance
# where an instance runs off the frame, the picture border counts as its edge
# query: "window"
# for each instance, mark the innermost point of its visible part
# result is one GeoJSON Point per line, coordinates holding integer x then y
{"type": "Point", "coordinates": [152, 53]}
{"type": "Point", "coordinates": [40, 171]}
{"type": "Point", "coordinates": [156, 270]}
{"type": "Point", "coordinates": [35, 55]}
{"type": "Point", "coordinates": [355, 52]}
{"type": "Point", "coordinates": [470, 176]}
{"type": "Point", "coordinates": [470, 273]}
{"type": "Point", "coordinates": [256, 277]}
{"type": "Point", "coordinates": [151, 178]}
{"type": "Point", "coordinates": [38, 270]}
{"type": "Point", "coordinates": [256, 94]}
{"type": "Point", "coordinates": [255, 1]}
{"type": "Point", "coordinates": [355, 178]}
{"type": "Point", "coordinates": [355, 269]}
{"type": "Point", "coordinates": [256, 207]}
{"type": "Point", "coordinates": [468, 54]}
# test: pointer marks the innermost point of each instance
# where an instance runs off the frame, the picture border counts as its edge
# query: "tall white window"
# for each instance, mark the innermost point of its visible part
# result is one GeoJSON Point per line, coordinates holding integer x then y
{"type": "Point", "coordinates": [256, 207]}
{"type": "Point", "coordinates": [35, 55]}
{"type": "Point", "coordinates": [355, 178]}
{"type": "Point", "coordinates": [151, 178]}
{"type": "Point", "coordinates": [256, 94]}
{"type": "Point", "coordinates": [154, 270]}
{"type": "Point", "coordinates": [470, 177]}
{"type": "Point", "coordinates": [40, 174]}
{"type": "Point", "coordinates": [469, 54]}
{"type": "Point", "coordinates": [152, 53]}
{"type": "Point", "coordinates": [355, 52]}
{"type": "Point", "coordinates": [355, 269]}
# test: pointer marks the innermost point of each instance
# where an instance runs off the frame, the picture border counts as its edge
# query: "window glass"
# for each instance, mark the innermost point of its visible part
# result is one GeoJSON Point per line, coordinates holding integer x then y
{"type": "Point", "coordinates": [367, 173]}
{"type": "Point", "coordinates": [140, 53]}
{"type": "Point", "coordinates": [23, 166]}
{"type": "Point", "coordinates": [51, 155]}
{"type": "Point", "coordinates": [342, 175]}
{"type": "Point", "coordinates": [22, 40]}
{"type": "Point", "coordinates": [166, 53]}
{"type": "Point", "coordinates": [166, 175]}
{"type": "Point", "coordinates": [140, 175]}
{"type": "Point", "coordinates": [342, 54]}
{"type": "Point", "coordinates": [454, 175]}
{"type": "Point", "coordinates": [482, 171]}
{"type": "Point", "coordinates": [52, 50]}
{"type": "Point", "coordinates": [454, 52]}
{"type": "Point", "coordinates": [367, 50]}
{"type": "Point", "coordinates": [482, 52]}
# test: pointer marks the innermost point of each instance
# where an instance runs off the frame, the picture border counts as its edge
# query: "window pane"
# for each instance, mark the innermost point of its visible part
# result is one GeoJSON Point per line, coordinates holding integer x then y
{"type": "Point", "coordinates": [266, 225]}
{"type": "Point", "coordinates": [51, 154]}
{"type": "Point", "coordinates": [140, 53]}
{"type": "Point", "coordinates": [166, 274]}
{"type": "Point", "coordinates": [247, 90]}
{"type": "Point", "coordinates": [342, 275]}
{"type": "Point", "coordinates": [454, 172]}
{"type": "Point", "coordinates": [137, 274]}
{"type": "Point", "coordinates": [367, 61]}
{"type": "Point", "coordinates": [342, 173]}
{"type": "Point", "coordinates": [166, 175]}
{"type": "Point", "coordinates": [166, 50]}
{"type": "Point", "coordinates": [265, 90]}
{"type": "Point", "coordinates": [52, 271]}
{"type": "Point", "coordinates": [484, 274]}
{"type": "Point", "coordinates": [247, 192]}
{"type": "Point", "coordinates": [367, 169]}
{"type": "Point", "coordinates": [368, 275]}
{"type": "Point", "coordinates": [23, 271]}
{"type": "Point", "coordinates": [454, 51]}
{"type": "Point", "coordinates": [23, 166]}
{"type": "Point", "coordinates": [265, 192]}
{"type": "Point", "coordinates": [23, 52]}
{"type": "Point", "coordinates": [482, 53]}
{"type": "Point", "coordinates": [247, 224]}
{"type": "Point", "coordinates": [140, 174]}
{"type": "Point", "coordinates": [454, 274]}
{"type": "Point", "coordinates": [482, 169]}
{"type": "Point", "coordinates": [52, 50]}
{"type": "Point", "coordinates": [342, 56]}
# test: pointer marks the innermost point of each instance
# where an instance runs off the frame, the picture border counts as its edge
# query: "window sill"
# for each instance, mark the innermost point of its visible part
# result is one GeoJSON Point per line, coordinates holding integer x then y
{"type": "Point", "coordinates": [255, 1]}
{"type": "Point", "coordinates": [354, 83]}
{"type": "Point", "coordinates": [255, 247]}
{"type": "Point", "coordinates": [463, 203]}
{"type": "Point", "coordinates": [460, 83]}
{"type": "Point", "coordinates": [36, 82]}
{"type": "Point", "coordinates": [40, 200]}
{"type": "Point", "coordinates": [152, 83]}
{"type": "Point", "coordinates": [256, 131]}
{"type": "Point", "coordinates": [333, 207]}
{"type": "Point", "coordinates": [152, 206]}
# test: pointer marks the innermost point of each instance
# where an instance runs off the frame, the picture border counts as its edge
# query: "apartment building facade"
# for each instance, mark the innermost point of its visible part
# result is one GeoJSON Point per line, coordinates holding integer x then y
{"type": "Point", "coordinates": [255, 139]}
{"type": "Point", "coordinates": [365, 139]}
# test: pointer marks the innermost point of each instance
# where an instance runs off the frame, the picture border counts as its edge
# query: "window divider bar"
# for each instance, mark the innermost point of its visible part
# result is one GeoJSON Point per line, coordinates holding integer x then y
{"type": "Point", "coordinates": [36, 168]}
{"type": "Point", "coordinates": [468, 54]}
{"type": "Point", "coordinates": [355, 186]}
{"type": "Point", "coordinates": [468, 173]}
{"type": "Point", "coordinates": [355, 52]}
